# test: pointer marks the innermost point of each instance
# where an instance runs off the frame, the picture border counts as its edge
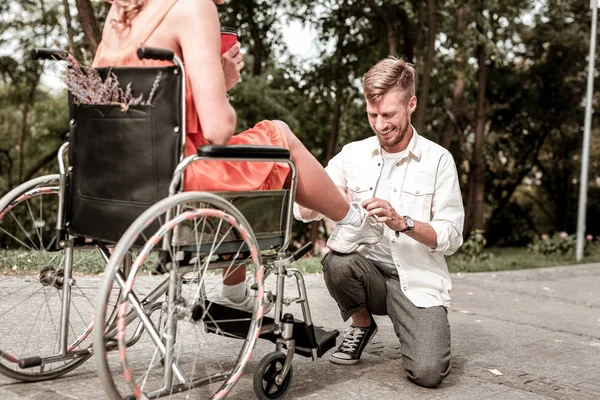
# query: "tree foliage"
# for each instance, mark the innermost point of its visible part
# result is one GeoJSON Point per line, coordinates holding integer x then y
{"type": "Point", "coordinates": [504, 82]}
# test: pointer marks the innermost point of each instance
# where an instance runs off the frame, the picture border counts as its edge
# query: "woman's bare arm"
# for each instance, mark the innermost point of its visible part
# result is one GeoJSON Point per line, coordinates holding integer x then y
{"type": "Point", "coordinates": [195, 24]}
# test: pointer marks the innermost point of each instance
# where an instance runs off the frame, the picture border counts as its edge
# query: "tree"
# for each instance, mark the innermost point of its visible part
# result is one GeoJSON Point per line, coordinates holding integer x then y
{"type": "Point", "coordinates": [425, 81]}
{"type": "Point", "coordinates": [89, 24]}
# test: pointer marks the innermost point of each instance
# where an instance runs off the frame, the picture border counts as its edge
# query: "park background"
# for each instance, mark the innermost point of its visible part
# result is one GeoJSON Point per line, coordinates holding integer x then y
{"type": "Point", "coordinates": [500, 84]}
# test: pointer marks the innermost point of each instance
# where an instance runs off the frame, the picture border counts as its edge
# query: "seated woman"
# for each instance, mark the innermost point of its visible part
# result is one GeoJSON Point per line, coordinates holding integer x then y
{"type": "Point", "coordinates": [191, 29]}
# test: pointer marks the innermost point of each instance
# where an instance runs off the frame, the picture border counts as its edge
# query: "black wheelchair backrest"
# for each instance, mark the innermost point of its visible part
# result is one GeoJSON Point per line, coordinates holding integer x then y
{"type": "Point", "coordinates": [121, 159]}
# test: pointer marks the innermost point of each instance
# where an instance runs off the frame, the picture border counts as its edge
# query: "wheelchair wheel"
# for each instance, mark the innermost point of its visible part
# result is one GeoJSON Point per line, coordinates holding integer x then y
{"type": "Point", "coordinates": [265, 386]}
{"type": "Point", "coordinates": [186, 340]}
{"type": "Point", "coordinates": [32, 287]}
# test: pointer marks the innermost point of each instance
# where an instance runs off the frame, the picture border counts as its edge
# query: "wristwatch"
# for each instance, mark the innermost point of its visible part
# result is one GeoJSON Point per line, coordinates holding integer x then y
{"type": "Point", "coordinates": [410, 224]}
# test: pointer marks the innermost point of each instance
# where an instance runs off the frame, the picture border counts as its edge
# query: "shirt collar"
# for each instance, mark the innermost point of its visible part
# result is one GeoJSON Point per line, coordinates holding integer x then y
{"type": "Point", "coordinates": [414, 146]}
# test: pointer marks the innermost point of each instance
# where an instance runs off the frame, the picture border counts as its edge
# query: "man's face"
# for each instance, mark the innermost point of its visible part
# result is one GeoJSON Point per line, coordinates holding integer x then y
{"type": "Point", "coordinates": [390, 119]}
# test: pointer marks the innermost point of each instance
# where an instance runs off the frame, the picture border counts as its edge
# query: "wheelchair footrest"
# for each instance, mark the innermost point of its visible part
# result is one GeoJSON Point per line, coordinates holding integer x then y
{"type": "Point", "coordinates": [226, 321]}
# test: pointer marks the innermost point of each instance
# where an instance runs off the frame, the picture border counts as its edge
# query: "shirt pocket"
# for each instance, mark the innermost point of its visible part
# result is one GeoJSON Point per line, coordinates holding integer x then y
{"type": "Point", "coordinates": [360, 190]}
{"type": "Point", "coordinates": [417, 198]}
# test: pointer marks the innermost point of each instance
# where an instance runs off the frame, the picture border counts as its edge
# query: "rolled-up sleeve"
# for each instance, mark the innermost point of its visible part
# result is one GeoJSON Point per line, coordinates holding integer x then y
{"type": "Point", "coordinates": [448, 214]}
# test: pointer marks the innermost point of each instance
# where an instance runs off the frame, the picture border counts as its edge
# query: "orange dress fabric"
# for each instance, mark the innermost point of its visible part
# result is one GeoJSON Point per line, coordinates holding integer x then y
{"type": "Point", "coordinates": [207, 175]}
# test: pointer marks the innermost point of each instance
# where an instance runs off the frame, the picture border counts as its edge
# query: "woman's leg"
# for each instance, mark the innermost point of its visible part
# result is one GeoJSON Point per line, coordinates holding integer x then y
{"type": "Point", "coordinates": [315, 190]}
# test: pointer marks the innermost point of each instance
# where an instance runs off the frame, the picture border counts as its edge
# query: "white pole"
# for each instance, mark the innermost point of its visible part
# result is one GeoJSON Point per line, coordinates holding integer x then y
{"type": "Point", "coordinates": [583, 181]}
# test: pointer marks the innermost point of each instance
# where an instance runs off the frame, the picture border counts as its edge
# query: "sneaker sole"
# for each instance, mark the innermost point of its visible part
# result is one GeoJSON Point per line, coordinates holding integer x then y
{"type": "Point", "coordinates": [341, 361]}
{"type": "Point", "coordinates": [354, 246]}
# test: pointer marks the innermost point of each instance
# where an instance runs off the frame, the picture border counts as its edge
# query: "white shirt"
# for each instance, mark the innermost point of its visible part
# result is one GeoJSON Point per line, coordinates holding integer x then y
{"type": "Point", "coordinates": [423, 185]}
{"type": "Point", "coordinates": [380, 252]}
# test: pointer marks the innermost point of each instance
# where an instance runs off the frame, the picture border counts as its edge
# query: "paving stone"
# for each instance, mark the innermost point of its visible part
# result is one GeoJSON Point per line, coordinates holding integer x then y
{"type": "Point", "coordinates": [539, 328]}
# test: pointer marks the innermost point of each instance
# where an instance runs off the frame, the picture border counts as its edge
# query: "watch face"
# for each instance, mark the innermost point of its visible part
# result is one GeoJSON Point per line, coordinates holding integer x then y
{"type": "Point", "coordinates": [409, 223]}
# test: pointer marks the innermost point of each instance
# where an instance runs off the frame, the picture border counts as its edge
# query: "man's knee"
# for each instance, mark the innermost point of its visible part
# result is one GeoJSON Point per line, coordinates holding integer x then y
{"type": "Point", "coordinates": [428, 374]}
{"type": "Point", "coordinates": [338, 268]}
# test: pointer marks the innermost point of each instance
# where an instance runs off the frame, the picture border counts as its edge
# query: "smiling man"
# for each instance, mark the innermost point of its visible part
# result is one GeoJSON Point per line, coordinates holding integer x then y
{"type": "Point", "coordinates": [409, 185]}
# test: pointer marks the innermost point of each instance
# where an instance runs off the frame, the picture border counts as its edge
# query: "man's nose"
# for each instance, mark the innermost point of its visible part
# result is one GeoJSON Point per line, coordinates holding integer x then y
{"type": "Point", "coordinates": [379, 124]}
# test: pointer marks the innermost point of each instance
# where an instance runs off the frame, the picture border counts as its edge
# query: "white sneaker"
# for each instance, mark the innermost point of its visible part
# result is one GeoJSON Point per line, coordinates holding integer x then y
{"type": "Point", "coordinates": [247, 304]}
{"type": "Point", "coordinates": [347, 238]}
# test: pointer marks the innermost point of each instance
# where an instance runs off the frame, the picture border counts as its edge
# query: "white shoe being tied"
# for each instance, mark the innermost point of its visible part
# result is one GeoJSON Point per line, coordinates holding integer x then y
{"type": "Point", "coordinates": [347, 238]}
{"type": "Point", "coordinates": [247, 303]}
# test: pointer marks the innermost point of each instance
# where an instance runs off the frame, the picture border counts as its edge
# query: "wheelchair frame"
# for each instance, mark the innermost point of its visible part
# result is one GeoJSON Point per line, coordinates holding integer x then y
{"type": "Point", "coordinates": [290, 336]}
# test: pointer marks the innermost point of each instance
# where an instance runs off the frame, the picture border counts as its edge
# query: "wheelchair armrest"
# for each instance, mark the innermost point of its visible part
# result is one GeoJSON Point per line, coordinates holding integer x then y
{"type": "Point", "coordinates": [244, 152]}
{"type": "Point", "coordinates": [40, 53]}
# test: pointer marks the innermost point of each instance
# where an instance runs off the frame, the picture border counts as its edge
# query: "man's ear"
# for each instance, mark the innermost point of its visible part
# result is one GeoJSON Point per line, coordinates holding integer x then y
{"type": "Point", "coordinates": [412, 104]}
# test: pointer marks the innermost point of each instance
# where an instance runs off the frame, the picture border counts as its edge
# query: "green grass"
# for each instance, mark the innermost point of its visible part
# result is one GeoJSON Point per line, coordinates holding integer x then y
{"type": "Point", "coordinates": [513, 258]}
{"type": "Point", "coordinates": [503, 258]}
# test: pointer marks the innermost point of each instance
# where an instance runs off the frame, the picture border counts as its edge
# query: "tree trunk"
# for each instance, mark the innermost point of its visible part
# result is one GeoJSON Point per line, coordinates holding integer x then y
{"type": "Point", "coordinates": [391, 33]}
{"type": "Point", "coordinates": [22, 134]}
{"type": "Point", "coordinates": [27, 99]}
{"type": "Point", "coordinates": [70, 31]}
{"type": "Point", "coordinates": [89, 24]}
{"type": "Point", "coordinates": [408, 44]}
{"type": "Point", "coordinates": [257, 50]}
{"type": "Point", "coordinates": [456, 107]}
{"type": "Point", "coordinates": [476, 179]}
{"type": "Point", "coordinates": [426, 76]}
{"type": "Point", "coordinates": [419, 42]}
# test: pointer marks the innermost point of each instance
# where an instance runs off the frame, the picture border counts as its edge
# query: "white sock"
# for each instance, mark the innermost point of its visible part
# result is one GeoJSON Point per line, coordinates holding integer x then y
{"type": "Point", "coordinates": [236, 293]}
{"type": "Point", "coordinates": [353, 217]}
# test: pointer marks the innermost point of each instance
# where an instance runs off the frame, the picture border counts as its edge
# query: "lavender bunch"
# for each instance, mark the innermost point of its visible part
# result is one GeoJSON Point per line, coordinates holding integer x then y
{"type": "Point", "coordinates": [86, 85]}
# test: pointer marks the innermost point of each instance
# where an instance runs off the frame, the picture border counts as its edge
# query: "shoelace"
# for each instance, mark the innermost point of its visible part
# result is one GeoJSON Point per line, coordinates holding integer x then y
{"type": "Point", "coordinates": [352, 338]}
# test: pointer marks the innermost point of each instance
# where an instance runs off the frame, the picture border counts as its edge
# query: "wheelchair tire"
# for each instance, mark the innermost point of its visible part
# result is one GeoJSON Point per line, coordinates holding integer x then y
{"type": "Point", "coordinates": [269, 367]}
{"type": "Point", "coordinates": [31, 287]}
{"type": "Point", "coordinates": [185, 340]}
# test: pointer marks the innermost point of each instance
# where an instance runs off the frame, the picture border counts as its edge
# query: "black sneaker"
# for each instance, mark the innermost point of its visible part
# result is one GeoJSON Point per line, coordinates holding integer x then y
{"type": "Point", "coordinates": [355, 340]}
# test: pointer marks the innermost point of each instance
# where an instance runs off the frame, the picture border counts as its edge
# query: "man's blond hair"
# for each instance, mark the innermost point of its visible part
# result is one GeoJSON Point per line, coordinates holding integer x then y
{"type": "Point", "coordinates": [388, 74]}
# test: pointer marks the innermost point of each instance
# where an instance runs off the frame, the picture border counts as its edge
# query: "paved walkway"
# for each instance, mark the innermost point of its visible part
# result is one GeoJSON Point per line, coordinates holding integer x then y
{"type": "Point", "coordinates": [532, 334]}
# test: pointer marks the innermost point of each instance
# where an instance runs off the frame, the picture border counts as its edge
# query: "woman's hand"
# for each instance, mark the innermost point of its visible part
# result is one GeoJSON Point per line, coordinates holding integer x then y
{"type": "Point", "coordinates": [232, 61]}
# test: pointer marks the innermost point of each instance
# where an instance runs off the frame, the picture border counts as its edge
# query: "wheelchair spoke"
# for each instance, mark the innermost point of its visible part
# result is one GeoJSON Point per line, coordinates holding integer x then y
{"type": "Point", "coordinates": [31, 292]}
{"type": "Point", "coordinates": [35, 225]}
{"type": "Point", "coordinates": [16, 239]}
{"type": "Point", "coordinates": [208, 241]}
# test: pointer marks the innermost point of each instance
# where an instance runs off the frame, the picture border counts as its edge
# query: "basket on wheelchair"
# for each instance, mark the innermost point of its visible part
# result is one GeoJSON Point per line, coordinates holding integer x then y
{"type": "Point", "coordinates": [171, 333]}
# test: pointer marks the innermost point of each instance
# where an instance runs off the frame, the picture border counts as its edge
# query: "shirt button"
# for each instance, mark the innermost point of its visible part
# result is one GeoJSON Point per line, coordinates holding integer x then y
{"type": "Point", "coordinates": [397, 164]}
{"type": "Point", "coordinates": [395, 190]}
{"type": "Point", "coordinates": [357, 188]}
{"type": "Point", "coordinates": [405, 288]}
{"type": "Point", "coordinates": [417, 192]}
{"type": "Point", "coordinates": [393, 240]}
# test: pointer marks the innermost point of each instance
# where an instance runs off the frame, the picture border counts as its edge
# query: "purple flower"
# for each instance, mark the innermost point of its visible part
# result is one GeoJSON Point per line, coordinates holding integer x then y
{"type": "Point", "coordinates": [563, 235]}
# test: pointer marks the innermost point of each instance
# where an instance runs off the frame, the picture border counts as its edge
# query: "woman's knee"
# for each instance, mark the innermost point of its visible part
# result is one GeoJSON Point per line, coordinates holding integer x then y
{"type": "Point", "coordinates": [425, 373]}
{"type": "Point", "coordinates": [286, 131]}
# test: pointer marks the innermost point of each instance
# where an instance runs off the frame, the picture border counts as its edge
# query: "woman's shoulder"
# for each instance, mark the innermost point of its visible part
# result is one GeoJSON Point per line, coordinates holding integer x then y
{"type": "Point", "coordinates": [193, 11]}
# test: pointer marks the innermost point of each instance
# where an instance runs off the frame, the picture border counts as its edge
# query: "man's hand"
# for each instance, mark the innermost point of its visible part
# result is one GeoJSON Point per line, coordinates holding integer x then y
{"type": "Point", "coordinates": [232, 61]}
{"type": "Point", "coordinates": [385, 213]}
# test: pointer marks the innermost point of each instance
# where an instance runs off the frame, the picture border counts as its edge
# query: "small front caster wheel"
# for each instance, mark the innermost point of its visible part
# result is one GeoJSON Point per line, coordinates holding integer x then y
{"type": "Point", "coordinates": [268, 369]}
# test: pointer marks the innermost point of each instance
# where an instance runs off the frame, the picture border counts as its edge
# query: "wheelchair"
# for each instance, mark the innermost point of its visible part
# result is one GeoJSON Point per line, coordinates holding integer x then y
{"type": "Point", "coordinates": [118, 202]}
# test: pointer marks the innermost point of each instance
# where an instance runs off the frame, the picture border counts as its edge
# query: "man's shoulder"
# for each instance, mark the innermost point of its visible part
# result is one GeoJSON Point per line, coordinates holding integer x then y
{"type": "Point", "coordinates": [431, 148]}
{"type": "Point", "coordinates": [364, 146]}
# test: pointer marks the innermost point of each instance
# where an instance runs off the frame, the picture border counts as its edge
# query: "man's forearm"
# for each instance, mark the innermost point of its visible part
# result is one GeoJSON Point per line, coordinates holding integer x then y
{"type": "Point", "coordinates": [423, 233]}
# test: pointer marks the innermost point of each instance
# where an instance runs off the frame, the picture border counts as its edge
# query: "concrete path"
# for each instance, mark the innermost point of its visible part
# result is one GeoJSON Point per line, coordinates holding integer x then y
{"type": "Point", "coordinates": [532, 334]}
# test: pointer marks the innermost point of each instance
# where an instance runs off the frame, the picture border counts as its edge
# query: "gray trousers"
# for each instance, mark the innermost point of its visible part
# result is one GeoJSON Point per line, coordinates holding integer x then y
{"type": "Point", "coordinates": [355, 283]}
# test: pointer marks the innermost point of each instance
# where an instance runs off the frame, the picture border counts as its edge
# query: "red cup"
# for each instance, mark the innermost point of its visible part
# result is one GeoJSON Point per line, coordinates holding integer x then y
{"type": "Point", "coordinates": [229, 37]}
